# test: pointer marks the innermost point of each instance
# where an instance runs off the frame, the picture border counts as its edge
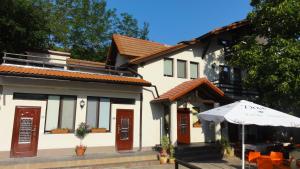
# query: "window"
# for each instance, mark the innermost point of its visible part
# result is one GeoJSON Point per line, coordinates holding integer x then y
{"type": "Point", "coordinates": [194, 70]}
{"type": "Point", "coordinates": [224, 75]}
{"type": "Point", "coordinates": [181, 68]}
{"type": "Point", "coordinates": [60, 112]}
{"type": "Point", "coordinates": [98, 112]}
{"type": "Point", "coordinates": [237, 75]}
{"type": "Point", "coordinates": [168, 67]}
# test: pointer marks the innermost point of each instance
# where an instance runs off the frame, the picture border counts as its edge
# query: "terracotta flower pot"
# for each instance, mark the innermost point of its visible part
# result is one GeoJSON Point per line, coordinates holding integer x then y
{"type": "Point", "coordinates": [59, 131]}
{"type": "Point", "coordinates": [80, 150]}
{"type": "Point", "coordinates": [98, 130]}
{"type": "Point", "coordinates": [298, 163]}
{"type": "Point", "coordinates": [163, 160]}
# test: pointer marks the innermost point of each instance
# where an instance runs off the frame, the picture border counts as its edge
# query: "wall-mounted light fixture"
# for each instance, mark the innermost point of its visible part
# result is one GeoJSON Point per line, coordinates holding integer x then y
{"type": "Point", "coordinates": [82, 103]}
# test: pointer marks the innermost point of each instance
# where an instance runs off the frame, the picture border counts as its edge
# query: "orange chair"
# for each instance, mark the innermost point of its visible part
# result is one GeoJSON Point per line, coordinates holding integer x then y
{"type": "Point", "coordinates": [276, 157]}
{"type": "Point", "coordinates": [264, 163]}
{"type": "Point", "coordinates": [252, 157]}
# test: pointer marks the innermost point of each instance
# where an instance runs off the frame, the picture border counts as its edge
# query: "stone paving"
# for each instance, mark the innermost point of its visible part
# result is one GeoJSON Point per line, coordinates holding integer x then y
{"type": "Point", "coordinates": [232, 163]}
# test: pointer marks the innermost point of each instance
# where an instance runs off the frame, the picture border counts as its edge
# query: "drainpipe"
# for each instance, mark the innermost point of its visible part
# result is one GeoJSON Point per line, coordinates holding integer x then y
{"type": "Point", "coordinates": [156, 91]}
{"type": "Point", "coordinates": [141, 118]}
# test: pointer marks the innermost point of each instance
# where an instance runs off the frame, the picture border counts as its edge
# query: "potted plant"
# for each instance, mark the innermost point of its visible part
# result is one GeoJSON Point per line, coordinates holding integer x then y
{"type": "Point", "coordinates": [228, 151]}
{"type": "Point", "coordinates": [81, 132]}
{"type": "Point", "coordinates": [172, 151]}
{"type": "Point", "coordinates": [163, 154]}
{"type": "Point", "coordinates": [60, 131]}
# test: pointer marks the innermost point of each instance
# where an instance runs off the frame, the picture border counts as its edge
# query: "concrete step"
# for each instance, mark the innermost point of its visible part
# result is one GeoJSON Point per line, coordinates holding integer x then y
{"type": "Point", "coordinates": [64, 162]}
{"type": "Point", "coordinates": [197, 153]}
{"type": "Point", "coordinates": [151, 164]}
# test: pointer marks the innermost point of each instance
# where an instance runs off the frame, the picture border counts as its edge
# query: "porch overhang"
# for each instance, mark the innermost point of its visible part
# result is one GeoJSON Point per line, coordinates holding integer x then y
{"type": "Point", "coordinates": [206, 90]}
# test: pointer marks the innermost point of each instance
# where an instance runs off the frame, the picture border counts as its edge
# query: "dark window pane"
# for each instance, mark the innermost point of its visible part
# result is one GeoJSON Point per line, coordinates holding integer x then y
{"type": "Point", "coordinates": [194, 70]}
{"type": "Point", "coordinates": [224, 74]}
{"type": "Point", "coordinates": [181, 69]}
{"type": "Point", "coordinates": [92, 112]}
{"type": "Point", "coordinates": [67, 114]}
{"type": "Point", "coordinates": [168, 67]}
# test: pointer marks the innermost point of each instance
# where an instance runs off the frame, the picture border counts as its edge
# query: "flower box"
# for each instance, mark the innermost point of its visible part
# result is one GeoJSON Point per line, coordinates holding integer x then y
{"type": "Point", "coordinates": [98, 130]}
{"type": "Point", "coordinates": [60, 131]}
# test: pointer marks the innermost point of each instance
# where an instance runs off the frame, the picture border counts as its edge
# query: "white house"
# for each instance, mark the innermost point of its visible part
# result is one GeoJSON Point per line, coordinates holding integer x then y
{"type": "Point", "coordinates": [144, 91]}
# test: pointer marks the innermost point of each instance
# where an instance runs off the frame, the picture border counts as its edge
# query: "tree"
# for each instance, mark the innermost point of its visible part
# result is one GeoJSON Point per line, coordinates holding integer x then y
{"type": "Point", "coordinates": [271, 53]}
{"type": "Point", "coordinates": [128, 25]}
{"type": "Point", "coordinates": [85, 27]}
{"type": "Point", "coordinates": [23, 26]}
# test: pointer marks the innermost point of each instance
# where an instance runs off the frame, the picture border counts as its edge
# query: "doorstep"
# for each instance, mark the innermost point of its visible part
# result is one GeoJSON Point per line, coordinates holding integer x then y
{"type": "Point", "coordinates": [71, 161]}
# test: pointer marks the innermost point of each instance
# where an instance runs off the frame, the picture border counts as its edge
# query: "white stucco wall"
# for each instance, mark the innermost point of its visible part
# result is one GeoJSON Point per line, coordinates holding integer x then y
{"type": "Point", "coordinates": [120, 60]}
{"type": "Point", "coordinates": [54, 141]}
{"type": "Point", "coordinates": [153, 71]}
{"type": "Point", "coordinates": [52, 58]}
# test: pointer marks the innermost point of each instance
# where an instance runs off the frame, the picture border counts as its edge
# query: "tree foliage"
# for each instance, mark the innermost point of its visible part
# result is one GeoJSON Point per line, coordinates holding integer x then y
{"type": "Point", "coordinates": [85, 27]}
{"type": "Point", "coordinates": [271, 53]}
{"type": "Point", "coordinates": [23, 25]}
{"type": "Point", "coordinates": [82, 27]}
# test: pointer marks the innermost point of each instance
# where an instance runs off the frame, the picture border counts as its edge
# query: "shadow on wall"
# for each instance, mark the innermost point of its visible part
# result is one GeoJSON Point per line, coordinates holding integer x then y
{"type": "Point", "coordinates": [210, 71]}
{"type": "Point", "coordinates": [157, 111]}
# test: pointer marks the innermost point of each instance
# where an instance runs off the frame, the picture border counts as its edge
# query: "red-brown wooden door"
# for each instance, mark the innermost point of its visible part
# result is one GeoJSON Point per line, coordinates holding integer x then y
{"type": "Point", "coordinates": [25, 132]}
{"type": "Point", "coordinates": [183, 126]}
{"type": "Point", "coordinates": [124, 129]}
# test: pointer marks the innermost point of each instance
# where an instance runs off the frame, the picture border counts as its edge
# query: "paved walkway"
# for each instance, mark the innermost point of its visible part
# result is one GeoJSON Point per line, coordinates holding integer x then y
{"type": "Point", "coordinates": [232, 163]}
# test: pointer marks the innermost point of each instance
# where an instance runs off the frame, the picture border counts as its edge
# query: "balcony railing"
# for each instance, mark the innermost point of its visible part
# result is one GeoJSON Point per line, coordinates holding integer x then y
{"type": "Point", "coordinates": [61, 64]}
{"type": "Point", "coordinates": [235, 89]}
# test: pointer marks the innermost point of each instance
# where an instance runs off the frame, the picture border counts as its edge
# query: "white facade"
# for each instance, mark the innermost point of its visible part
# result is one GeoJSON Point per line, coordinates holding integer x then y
{"type": "Point", "coordinates": [153, 71]}
{"type": "Point", "coordinates": [153, 114]}
{"type": "Point", "coordinates": [52, 87]}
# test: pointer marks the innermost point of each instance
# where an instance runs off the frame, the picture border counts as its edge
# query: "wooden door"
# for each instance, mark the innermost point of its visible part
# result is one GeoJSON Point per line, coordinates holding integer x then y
{"type": "Point", "coordinates": [124, 129]}
{"type": "Point", "coordinates": [25, 132]}
{"type": "Point", "coordinates": [183, 126]}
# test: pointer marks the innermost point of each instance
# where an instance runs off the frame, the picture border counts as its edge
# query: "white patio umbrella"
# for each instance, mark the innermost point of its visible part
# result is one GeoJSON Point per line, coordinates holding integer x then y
{"type": "Point", "coordinates": [248, 113]}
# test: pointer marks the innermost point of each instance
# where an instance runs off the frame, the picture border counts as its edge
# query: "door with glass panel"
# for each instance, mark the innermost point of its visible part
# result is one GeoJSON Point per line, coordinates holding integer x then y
{"type": "Point", "coordinates": [183, 126]}
{"type": "Point", "coordinates": [25, 132]}
{"type": "Point", "coordinates": [124, 129]}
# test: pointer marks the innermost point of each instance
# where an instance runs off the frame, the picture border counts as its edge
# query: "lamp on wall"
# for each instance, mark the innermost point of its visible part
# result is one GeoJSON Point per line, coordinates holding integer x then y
{"type": "Point", "coordinates": [82, 103]}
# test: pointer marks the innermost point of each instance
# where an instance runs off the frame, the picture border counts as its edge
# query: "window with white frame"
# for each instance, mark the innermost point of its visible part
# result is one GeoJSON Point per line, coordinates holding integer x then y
{"type": "Point", "coordinates": [168, 67]}
{"type": "Point", "coordinates": [194, 69]}
{"type": "Point", "coordinates": [98, 112]}
{"type": "Point", "coordinates": [60, 113]}
{"type": "Point", "coordinates": [181, 68]}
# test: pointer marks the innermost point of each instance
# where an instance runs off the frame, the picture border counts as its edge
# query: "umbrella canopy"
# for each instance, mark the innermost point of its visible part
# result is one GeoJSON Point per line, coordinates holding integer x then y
{"type": "Point", "coordinates": [248, 113]}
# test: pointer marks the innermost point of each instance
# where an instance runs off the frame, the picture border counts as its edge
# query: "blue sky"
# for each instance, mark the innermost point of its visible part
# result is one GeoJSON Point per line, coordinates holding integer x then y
{"type": "Point", "coordinates": [172, 21]}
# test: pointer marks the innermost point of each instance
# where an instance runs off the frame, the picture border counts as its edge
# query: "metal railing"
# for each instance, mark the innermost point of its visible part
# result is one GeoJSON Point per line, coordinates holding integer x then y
{"type": "Point", "coordinates": [235, 88]}
{"type": "Point", "coordinates": [179, 163]}
{"type": "Point", "coordinates": [56, 63]}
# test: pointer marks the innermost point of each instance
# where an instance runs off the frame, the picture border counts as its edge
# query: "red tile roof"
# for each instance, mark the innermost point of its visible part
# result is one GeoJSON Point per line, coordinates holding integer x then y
{"type": "Point", "coordinates": [229, 27]}
{"type": "Point", "coordinates": [133, 47]}
{"type": "Point", "coordinates": [69, 75]}
{"type": "Point", "coordinates": [138, 50]}
{"type": "Point", "coordinates": [186, 87]}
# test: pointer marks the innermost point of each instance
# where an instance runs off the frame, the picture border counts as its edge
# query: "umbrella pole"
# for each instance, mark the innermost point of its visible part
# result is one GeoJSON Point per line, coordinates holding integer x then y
{"type": "Point", "coordinates": [243, 146]}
